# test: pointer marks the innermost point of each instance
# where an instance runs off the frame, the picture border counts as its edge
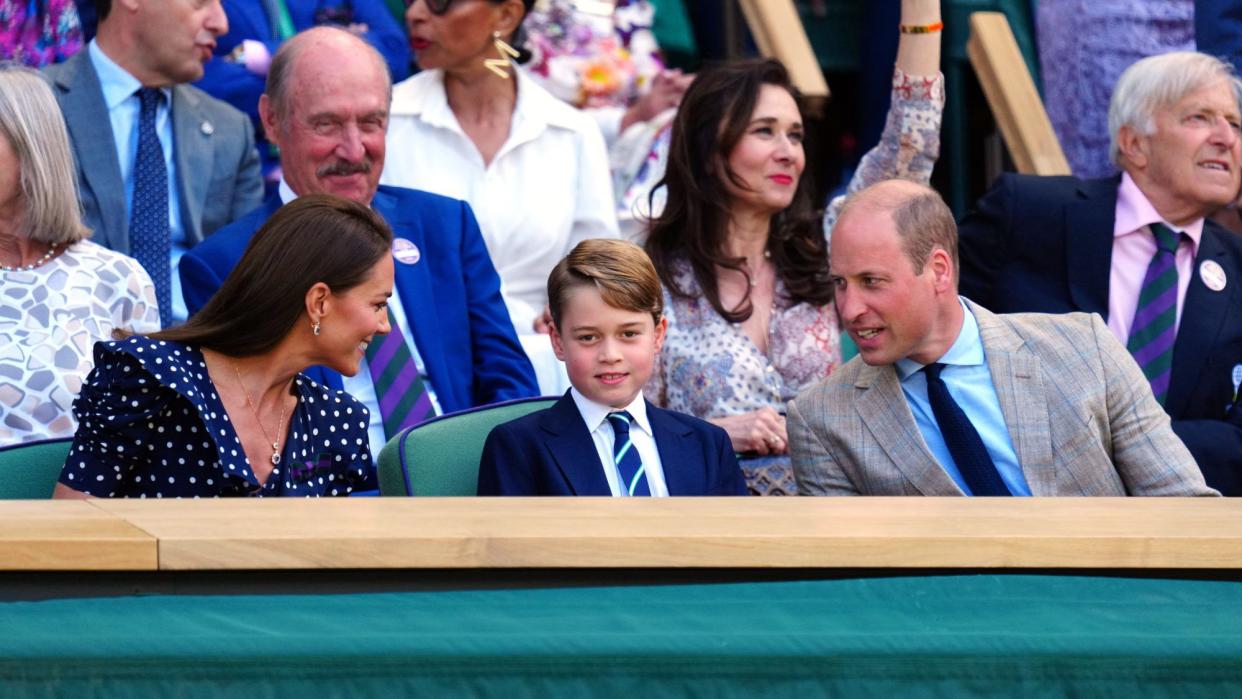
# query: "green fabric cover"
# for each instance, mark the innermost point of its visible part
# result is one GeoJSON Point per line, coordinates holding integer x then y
{"type": "Point", "coordinates": [672, 28]}
{"type": "Point", "coordinates": [441, 457]}
{"type": "Point", "coordinates": [30, 471]}
{"type": "Point", "coordinates": [945, 636]}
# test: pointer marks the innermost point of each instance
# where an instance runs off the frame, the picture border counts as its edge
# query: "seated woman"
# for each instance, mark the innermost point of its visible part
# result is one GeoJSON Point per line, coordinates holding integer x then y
{"type": "Point", "coordinates": [474, 126]}
{"type": "Point", "coordinates": [61, 292]}
{"type": "Point", "coordinates": [217, 407]}
{"type": "Point", "coordinates": [741, 255]}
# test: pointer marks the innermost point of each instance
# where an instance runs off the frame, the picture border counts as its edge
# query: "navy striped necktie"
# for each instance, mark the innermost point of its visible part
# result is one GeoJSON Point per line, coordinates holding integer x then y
{"type": "Point", "coordinates": [629, 464]}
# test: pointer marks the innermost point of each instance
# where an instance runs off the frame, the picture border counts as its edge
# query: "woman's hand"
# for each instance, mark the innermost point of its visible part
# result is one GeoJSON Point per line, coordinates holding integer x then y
{"type": "Point", "coordinates": [760, 431]}
{"type": "Point", "coordinates": [666, 91]}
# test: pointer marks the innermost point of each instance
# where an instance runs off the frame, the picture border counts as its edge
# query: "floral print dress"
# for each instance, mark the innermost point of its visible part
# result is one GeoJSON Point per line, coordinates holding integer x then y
{"type": "Point", "coordinates": [39, 32]}
{"type": "Point", "coordinates": [710, 368]}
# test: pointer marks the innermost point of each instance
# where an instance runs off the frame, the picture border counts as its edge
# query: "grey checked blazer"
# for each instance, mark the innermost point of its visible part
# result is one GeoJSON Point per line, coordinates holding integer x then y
{"type": "Point", "coordinates": [1079, 411]}
{"type": "Point", "coordinates": [217, 165]}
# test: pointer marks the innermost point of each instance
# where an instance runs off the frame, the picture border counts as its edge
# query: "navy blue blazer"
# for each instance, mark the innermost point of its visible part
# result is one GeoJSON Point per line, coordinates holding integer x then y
{"type": "Point", "coordinates": [550, 452]}
{"type": "Point", "coordinates": [1045, 244]}
{"type": "Point", "coordinates": [451, 296]}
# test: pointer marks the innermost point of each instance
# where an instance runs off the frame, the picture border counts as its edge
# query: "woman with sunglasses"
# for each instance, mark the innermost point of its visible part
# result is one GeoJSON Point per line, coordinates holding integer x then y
{"type": "Point", "coordinates": [474, 126]}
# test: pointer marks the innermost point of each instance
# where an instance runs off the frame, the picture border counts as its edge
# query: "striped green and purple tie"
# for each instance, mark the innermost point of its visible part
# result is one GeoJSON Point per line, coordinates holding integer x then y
{"type": "Point", "coordinates": [1155, 319]}
{"type": "Point", "coordinates": [400, 391]}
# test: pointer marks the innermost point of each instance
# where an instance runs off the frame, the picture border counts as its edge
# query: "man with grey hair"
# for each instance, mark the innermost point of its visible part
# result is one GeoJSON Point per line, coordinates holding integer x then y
{"type": "Point", "coordinates": [946, 398]}
{"type": "Point", "coordinates": [1137, 249]}
{"type": "Point", "coordinates": [452, 345]}
{"type": "Point", "coordinates": [161, 164]}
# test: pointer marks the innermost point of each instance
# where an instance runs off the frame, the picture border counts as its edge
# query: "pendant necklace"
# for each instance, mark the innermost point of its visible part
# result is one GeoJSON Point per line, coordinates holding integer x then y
{"type": "Point", "coordinates": [255, 412]}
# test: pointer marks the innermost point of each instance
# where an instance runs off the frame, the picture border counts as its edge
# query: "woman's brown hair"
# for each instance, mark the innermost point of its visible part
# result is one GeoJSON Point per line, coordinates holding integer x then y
{"type": "Point", "coordinates": [315, 238]}
{"type": "Point", "coordinates": [712, 119]}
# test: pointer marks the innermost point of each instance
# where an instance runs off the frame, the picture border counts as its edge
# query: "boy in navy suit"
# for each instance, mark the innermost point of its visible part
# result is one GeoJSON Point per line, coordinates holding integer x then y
{"type": "Point", "coordinates": [603, 437]}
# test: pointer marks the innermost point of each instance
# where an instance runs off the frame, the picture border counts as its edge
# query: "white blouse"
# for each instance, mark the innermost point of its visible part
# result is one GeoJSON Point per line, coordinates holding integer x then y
{"type": "Point", "coordinates": [547, 188]}
{"type": "Point", "coordinates": [50, 319]}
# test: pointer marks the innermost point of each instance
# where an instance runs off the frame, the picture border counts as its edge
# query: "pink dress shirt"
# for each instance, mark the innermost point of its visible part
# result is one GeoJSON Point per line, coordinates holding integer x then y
{"type": "Point", "coordinates": [1133, 247]}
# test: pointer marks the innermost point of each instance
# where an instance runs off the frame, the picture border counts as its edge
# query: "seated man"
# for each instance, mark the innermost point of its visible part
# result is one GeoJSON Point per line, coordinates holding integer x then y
{"type": "Point", "coordinates": [452, 344]}
{"type": "Point", "coordinates": [161, 165]}
{"type": "Point", "coordinates": [946, 398]}
{"type": "Point", "coordinates": [603, 437]}
{"type": "Point", "coordinates": [1136, 249]}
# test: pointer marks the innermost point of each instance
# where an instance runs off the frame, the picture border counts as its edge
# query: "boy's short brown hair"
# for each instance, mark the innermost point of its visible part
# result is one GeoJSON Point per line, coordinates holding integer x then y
{"type": "Point", "coordinates": [619, 270]}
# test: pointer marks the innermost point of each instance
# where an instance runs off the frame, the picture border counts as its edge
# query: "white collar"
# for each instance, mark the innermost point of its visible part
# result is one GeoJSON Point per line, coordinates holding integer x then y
{"type": "Point", "coordinates": [594, 414]}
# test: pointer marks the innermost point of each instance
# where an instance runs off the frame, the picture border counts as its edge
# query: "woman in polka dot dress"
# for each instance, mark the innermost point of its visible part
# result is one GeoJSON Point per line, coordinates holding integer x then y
{"type": "Point", "coordinates": [217, 407]}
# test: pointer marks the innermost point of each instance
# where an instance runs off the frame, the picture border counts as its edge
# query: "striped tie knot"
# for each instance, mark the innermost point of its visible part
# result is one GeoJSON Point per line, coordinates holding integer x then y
{"type": "Point", "coordinates": [620, 422]}
{"type": "Point", "coordinates": [1166, 239]}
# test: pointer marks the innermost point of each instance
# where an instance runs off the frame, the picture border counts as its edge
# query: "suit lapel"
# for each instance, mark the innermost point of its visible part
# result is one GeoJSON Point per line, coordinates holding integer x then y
{"type": "Point", "coordinates": [1089, 243]}
{"type": "Point", "coordinates": [192, 141]}
{"type": "Point", "coordinates": [1019, 385]}
{"type": "Point", "coordinates": [90, 129]}
{"type": "Point", "coordinates": [886, 413]}
{"type": "Point", "coordinates": [571, 447]}
{"type": "Point", "coordinates": [414, 284]}
{"type": "Point", "coordinates": [1204, 314]}
{"type": "Point", "coordinates": [680, 458]}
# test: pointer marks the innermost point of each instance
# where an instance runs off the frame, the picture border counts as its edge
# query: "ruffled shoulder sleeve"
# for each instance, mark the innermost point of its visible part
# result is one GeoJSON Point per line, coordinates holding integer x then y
{"type": "Point", "coordinates": [115, 410]}
{"type": "Point", "coordinates": [337, 450]}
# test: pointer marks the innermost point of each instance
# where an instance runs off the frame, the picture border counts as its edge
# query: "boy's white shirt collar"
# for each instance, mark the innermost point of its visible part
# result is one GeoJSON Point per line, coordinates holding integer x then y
{"type": "Point", "coordinates": [594, 414]}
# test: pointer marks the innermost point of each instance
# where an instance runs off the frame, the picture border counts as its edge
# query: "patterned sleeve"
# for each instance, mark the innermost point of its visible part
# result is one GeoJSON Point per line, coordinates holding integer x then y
{"type": "Point", "coordinates": [360, 472]}
{"type": "Point", "coordinates": [654, 390]}
{"type": "Point", "coordinates": [136, 309]}
{"type": "Point", "coordinates": [115, 411]}
{"type": "Point", "coordinates": [910, 144]}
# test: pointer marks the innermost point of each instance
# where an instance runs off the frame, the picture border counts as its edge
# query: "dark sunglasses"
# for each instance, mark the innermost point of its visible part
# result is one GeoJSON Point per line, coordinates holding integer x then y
{"type": "Point", "coordinates": [437, 7]}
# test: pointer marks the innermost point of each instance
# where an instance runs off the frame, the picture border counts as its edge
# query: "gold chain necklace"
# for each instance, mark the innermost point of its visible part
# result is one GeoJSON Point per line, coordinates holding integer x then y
{"type": "Point", "coordinates": [255, 412]}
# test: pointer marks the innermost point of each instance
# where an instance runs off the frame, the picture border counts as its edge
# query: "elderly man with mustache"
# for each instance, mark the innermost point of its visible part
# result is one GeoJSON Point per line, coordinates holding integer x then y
{"type": "Point", "coordinates": [452, 345]}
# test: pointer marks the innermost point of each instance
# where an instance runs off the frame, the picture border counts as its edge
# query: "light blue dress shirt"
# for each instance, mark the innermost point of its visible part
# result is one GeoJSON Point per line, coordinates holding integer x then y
{"type": "Point", "coordinates": [970, 383]}
{"type": "Point", "coordinates": [123, 110]}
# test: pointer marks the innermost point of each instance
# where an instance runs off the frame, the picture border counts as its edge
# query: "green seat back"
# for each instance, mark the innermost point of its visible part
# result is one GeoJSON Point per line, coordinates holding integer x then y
{"type": "Point", "coordinates": [30, 471]}
{"type": "Point", "coordinates": [441, 456]}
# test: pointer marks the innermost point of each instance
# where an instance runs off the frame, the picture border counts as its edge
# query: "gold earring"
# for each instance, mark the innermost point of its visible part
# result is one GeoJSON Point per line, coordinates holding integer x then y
{"type": "Point", "coordinates": [500, 66]}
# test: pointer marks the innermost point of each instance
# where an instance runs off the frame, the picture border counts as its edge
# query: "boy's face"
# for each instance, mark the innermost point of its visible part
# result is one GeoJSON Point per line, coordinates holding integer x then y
{"type": "Point", "coordinates": [608, 352]}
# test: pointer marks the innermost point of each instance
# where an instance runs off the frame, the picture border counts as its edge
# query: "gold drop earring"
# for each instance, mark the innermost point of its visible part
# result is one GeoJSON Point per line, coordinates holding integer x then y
{"type": "Point", "coordinates": [500, 66]}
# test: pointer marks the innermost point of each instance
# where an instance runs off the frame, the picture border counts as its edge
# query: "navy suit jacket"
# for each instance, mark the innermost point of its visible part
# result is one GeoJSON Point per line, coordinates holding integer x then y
{"type": "Point", "coordinates": [1045, 244]}
{"type": "Point", "coordinates": [451, 296]}
{"type": "Point", "coordinates": [217, 166]}
{"type": "Point", "coordinates": [550, 452]}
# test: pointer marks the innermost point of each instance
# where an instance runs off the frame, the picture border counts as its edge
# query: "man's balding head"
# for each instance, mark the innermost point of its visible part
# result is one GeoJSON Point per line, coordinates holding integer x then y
{"type": "Point", "coordinates": [326, 108]}
{"type": "Point", "coordinates": [922, 219]}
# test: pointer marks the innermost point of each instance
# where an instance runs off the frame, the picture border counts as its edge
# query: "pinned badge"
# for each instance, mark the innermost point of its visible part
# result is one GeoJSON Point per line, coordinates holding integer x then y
{"type": "Point", "coordinates": [1237, 379]}
{"type": "Point", "coordinates": [206, 128]}
{"type": "Point", "coordinates": [407, 253]}
{"type": "Point", "coordinates": [1212, 274]}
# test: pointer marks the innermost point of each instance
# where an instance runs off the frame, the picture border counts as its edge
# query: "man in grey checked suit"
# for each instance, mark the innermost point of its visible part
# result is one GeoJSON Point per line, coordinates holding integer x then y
{"type": "Point", "coordinates": [1058, 404]}
{"type": "Point", "coordinates": [212, 165]}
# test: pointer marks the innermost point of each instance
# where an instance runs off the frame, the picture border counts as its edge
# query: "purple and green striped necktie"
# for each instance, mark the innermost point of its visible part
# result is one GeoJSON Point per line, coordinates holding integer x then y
{"type": "Point", "coordinates": [400, 391]}
{"type": "Point", "coordinates": [1154, 329]}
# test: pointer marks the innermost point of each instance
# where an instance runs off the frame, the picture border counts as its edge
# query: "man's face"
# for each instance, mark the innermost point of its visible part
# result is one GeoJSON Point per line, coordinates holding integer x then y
{"type": "Point", "coordinates": [1191, 162]}
{"type": "Point", "coordinates": [176, 38]}
{"type": "Point", "coordinates": [331, 137]}
{"type": "Point", "coordinates": [887, 309]}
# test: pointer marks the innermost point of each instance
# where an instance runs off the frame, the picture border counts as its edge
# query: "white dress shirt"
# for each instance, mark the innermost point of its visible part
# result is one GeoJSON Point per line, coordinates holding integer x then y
{"type": "Point", "coordinates": [595, 416]}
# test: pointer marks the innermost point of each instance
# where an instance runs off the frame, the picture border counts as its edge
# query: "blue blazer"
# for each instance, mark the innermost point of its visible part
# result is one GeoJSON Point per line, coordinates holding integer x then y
{"type": "Point", "coordinates": [550, 452]}
{"type": "Point", "coordinates": [451, 296]}
{"type": "Point", "coordinates": [217, 166]}
{"type": "Point", "coordinates": [1045, 244]}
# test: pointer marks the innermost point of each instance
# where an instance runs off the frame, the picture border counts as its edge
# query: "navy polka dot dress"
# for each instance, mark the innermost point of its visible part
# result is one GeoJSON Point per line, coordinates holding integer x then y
{"type": "Point", "coordinates": [150, 424]}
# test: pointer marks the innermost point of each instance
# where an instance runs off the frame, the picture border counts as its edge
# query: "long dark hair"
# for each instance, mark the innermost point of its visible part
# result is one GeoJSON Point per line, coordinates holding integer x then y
{"type": "Point", "coordinates": [315, 238]}
{"type": "Point", "coordinates": [712, 119]}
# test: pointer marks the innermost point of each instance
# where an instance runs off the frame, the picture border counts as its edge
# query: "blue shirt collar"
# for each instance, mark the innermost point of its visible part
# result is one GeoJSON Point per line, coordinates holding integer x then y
{"type": "Point", "coordinates": [116, 82]}
{"type": "Point", "coordinates": [967, 349]}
